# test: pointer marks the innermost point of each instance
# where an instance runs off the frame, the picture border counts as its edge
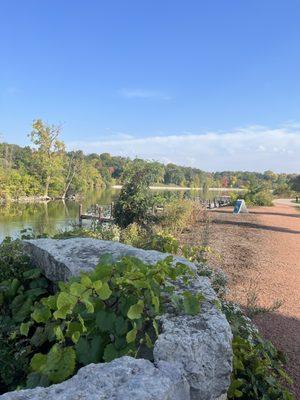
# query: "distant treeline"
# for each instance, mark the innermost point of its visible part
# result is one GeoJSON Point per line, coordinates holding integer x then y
{"type": "Point", "coordinates": [47, 170]}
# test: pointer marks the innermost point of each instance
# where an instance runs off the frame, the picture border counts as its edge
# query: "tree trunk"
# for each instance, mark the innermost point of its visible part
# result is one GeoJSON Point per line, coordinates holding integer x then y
{"type": "Point", "coordinates": [47, 186]}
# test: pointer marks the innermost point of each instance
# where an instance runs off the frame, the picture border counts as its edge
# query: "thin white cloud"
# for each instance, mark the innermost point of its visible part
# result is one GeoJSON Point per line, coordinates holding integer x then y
{"type": "Point", "coordinates": [143, 94]}
{"type": "Point", "coordinates": [253, 148]}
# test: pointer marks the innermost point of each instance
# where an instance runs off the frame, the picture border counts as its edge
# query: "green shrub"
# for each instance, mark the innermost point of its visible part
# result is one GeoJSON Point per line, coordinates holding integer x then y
{"type": "Point", "coordinates": [102, 315]}
{"type": "Point", "coordinates": [135, 200]}
{"type": "Point", "coordinates": [17, 297]}
{"type": "Point", "coordinates": [179, 215]}
{"type": "Point", "coordinates": [134, 235]}
{"type": "Point", "coordinates": [13, 261]}
{"type": "Point", "coordinates": [258, 196]}
{"type": "Point", "coordinates": [162, 241]}
{"type": "Point", "coordinates": [258, 372]}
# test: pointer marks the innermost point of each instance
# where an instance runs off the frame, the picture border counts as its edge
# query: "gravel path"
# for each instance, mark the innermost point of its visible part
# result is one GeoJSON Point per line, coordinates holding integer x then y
{"type": "Point", "coordinates": [260, 252]}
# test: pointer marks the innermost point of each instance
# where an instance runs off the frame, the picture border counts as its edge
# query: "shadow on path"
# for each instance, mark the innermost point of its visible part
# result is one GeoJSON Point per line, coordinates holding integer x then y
{"type": "Point", "coordinates": [256, 226]}
{"type": "Point", "coordinates": [296, 215]}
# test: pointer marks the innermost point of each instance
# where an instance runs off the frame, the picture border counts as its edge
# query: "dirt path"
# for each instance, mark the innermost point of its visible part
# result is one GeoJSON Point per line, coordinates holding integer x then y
{"type": "Point", "coordinates": [260, 252]}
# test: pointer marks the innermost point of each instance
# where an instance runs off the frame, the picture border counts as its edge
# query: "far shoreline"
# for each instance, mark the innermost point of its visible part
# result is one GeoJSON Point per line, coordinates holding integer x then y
{"type": "Point", "coordinates": [46, 199]}
{"type": "Point", "coordinates": [186, 188]}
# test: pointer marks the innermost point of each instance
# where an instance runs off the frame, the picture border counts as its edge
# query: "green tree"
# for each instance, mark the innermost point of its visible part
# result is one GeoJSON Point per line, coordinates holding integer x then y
{"type": "Point", "coordinates": [49, 152]}
{"type": "Point", "coordinates": [135, 198]}
{"type": "Point", "coordinates": [295, 183]}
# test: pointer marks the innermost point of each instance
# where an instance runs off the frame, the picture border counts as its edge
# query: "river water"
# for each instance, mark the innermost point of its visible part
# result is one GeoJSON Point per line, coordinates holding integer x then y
{"type": "Point", "coordinates": [53, 216]}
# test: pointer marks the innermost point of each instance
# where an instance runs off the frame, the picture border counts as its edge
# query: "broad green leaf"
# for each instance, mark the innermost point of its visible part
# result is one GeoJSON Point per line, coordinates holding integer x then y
{"type": "Point", "coordinates": [135, 311]}
{"type": "Point", "coordinates": [35, 379]}
{"type": "Point", "coordinates": [121, 326]}
{"type": "Point", "coordinates": [89, 306]}
{"type": "Point", "coordinates": [110, 353]}
{"type": "Point", "coordinates": [80, 319]}
{"type": "Point", "coordinates": [104, 292]}
{"type": "Point", "coordinates": [105, 260]}
{"type": "Point", "coordinates": [97, 285]}
{"type": "Point", "coordinates": [105, 321]}
{"type": "Point", "coordinates": [148, 341]}
{"type": "Point", "coordinates": [102, 272]}
{"type": "Point", "coordinates": [73, 327]}
{"type": "Point", "coordinates": [131, 335]}
{"type": "Point", "coordinates": [39, 283]}
{"type": "Point", "coordinates": [155, 302]}
{"type": "Point", "coordinates": [89, 351]}
{"type": "Point", "coordinates": [58, 333]}
{"type": "Point", "coordinates": [155, 326]}
{"type": "Point", "coordinates": [50, 302]}
{"type": "Point", "coordinates": [24, 311]}
{"type": "Point", "coordinates": [24, 328]}
{"type": "Point", "coordinates": [32, 273]}
{"type": "Point", "coordinates": [41, 313]}
{"type": "Point", "coordinates": [38, 362]}
{"type": "Point", "coordinates": [86, 281]}
{"type": "Point", "coordinates": [34, 293]}
{"type": "Point", "coordinates": [77, 289]}
{"type": "Point", "coordinates": [62, 312]}
{"type": "Point", "coordinates": [66, 302]}
{"type": "Point", "coordinates": [75, 336]}
{"type": "Point", "coordinates": [60, 363]}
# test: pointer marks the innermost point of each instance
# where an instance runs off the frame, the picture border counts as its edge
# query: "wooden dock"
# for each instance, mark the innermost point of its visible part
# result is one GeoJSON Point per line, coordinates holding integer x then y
{"type": "Point", "coordinates": [104, 213]}
{"type": "Point", "coordinates": [100, 214]}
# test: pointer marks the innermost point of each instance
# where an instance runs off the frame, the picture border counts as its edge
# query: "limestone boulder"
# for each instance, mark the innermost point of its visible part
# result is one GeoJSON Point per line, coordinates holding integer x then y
{"type": "Point", "coordinates": [192, 355]}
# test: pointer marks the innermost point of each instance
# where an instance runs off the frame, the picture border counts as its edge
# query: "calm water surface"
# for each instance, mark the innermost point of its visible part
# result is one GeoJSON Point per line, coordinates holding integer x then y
{"type": "Point", "coordinates": [51, 217]}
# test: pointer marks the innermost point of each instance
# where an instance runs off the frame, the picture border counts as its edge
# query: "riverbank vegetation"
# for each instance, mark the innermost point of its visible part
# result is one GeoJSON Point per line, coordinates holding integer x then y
{"type": "Point", "coordinates": [48, 169]}
{"type": "Point", "coordinates": [47, 333]}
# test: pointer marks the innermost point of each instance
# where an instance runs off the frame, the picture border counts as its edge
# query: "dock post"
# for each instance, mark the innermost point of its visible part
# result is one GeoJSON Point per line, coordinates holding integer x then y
{"type": "Point", "coordinates": [80, 214]}
{"type": "Point", "coordinates": [100, 213]}
{"type": "Point", "coordinates": [112, 210]}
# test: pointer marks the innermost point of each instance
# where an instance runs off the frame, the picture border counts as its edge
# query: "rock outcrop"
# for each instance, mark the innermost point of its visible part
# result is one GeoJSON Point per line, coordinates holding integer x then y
{"type": "Point", "coordinates": [121, 379]}
{"type": "Point", "coordinates": [62, 258]}
{"type": "Point", "coordinates": [192, 355]}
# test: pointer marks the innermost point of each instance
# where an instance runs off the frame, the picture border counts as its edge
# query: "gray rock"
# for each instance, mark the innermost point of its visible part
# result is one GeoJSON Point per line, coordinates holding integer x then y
{"type": "Point", "coordinates": [125, 378]}
{"type": "Point", "coordinates": [201, 347]}
{"type": "Point", "coordinates": [62, 258]}
{"type": "Point", "coordinates": [197, 349]}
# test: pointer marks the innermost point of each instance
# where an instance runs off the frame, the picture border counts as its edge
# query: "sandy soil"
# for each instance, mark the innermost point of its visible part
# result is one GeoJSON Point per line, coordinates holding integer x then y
{"type": "Point", "coordinates": [260, 252]}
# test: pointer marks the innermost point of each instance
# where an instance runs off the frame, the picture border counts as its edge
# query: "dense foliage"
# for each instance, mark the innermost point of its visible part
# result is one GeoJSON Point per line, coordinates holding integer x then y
{"type": "Point", "coordinates": [136, 200]}
{"type": "Point", "coordinates": [258, 372]}
{"type": "Point", "coordinates": [96, 317]}
{"type": "Point", "coordinates": [256, 195]}
{"type": "Point", "coordinates": [20, 287]}
{"type": "Point", "coordinates": [295, 183]}
{"type": "Point", "coordinates": [47, 169]}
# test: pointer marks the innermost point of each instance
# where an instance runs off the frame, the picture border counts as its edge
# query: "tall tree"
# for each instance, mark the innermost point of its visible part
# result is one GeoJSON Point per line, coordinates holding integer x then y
{"type": "Point", "coordinates": [135, 198]}
{"type": "Point", "coordinates": [73, 166]}
{"type": "Point", "coordinates": [295, 183]}
{"type": "Point", "coordinates": [49, 152]}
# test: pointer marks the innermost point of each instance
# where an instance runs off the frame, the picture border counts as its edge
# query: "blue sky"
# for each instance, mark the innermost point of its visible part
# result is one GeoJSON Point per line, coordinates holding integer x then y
{"type": "Point", "coordinates": [212, 84]}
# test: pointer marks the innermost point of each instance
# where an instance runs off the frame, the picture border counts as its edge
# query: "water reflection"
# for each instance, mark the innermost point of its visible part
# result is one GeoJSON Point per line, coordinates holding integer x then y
{"type": "Point", "coordinates": [51, 217]}
{"type": "Point", "coordinates": [47, 217]}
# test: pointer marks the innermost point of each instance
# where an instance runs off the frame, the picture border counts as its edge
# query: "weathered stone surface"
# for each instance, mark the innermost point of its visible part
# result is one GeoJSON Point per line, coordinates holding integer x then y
{"type": "Point", "coordinates": [62, 258]}
{"type": "Point", "coordinates": [122, 379]}
{"type": "Point", "coordinates": [196, 348]}
{"type": "Point", "coordinates": [201, 347]}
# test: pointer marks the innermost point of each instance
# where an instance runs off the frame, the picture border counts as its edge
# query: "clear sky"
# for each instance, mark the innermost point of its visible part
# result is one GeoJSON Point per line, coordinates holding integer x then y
{"type": "Point", "coordinates": [213, 84]}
